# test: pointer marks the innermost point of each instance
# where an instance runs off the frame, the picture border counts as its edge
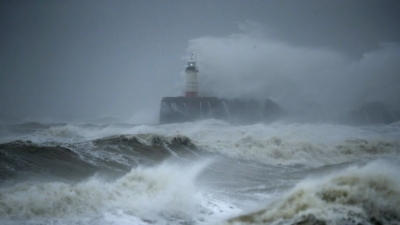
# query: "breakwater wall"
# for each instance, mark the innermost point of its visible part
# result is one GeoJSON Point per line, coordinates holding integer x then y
{"type": "Point", "coordinates": [184, 109]}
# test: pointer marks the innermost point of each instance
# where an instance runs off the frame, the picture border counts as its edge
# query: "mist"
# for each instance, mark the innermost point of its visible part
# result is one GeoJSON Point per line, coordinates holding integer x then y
{"type": "Point", "coordinates": [251, 64]}
{"type": "Point", "coordinates": [74, 60]}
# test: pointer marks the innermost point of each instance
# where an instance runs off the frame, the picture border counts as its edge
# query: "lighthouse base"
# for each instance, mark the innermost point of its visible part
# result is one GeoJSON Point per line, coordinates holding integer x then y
{"type": "Point", "coordinates": [191, 94]}
{"type": "Point", "coordinates": [185, 109]}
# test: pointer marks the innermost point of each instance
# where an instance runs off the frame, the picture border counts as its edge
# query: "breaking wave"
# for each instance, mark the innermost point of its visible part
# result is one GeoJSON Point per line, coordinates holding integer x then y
{"type": "Point", "coordinates": [123, 152]}
{"type": "Point", "coordinates": [358, 195]}
{"type": "Point", "coordinates": [166, 189]}
{"type": "Point", "coordinates": [277, 151]}
{"type": "Point", "coordinates": [79, 160]}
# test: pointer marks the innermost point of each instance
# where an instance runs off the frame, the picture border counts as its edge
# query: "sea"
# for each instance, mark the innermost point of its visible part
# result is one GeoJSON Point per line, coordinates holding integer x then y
{"type": "Point", "coordinates": [203, 172]}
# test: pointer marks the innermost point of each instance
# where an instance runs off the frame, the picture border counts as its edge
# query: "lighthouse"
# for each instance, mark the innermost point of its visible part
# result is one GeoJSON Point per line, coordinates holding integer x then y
{"type": "Point", "coordinates": [191, 107]}
{"type": "Point", "coordinates": [191, 78]}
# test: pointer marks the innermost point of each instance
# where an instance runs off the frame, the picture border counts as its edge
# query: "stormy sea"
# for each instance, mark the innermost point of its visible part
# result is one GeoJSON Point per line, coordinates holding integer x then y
{"type": "Point", "coordinates": [204, 172]}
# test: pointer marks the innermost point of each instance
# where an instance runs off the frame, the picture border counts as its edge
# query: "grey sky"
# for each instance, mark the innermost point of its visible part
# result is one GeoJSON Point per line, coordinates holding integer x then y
{"type": "Point", "coordinates": [118, 58]}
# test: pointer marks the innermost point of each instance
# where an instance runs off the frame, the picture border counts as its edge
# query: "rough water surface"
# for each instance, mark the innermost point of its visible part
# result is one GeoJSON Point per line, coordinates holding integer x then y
{"type": "Point", "coordinates": [206, 172]}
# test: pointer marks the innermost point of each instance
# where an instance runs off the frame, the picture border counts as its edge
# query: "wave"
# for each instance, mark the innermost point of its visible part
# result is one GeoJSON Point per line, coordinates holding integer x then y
{"type": "Point", "coordinates": [140, 149]}
{"type": "Point", "coordinates": [123, 152]}
{"type": "Point", "coordinates": [73, 133]}
{"type": "Point", "coordinates": [166, 190]}
{"type": "Point", "coordinates": [277, 151]}
{"type": "Point", "coordinates": [79, 160]}
{"type": "Point", "coordinates": [149, 139]}
{"type": "Point", "coordinates": [20, 158]}
{"type": "Point", "coordinates": [358, 195]}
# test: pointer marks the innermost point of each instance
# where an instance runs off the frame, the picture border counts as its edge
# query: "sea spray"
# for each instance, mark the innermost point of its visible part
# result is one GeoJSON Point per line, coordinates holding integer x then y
{"type": "Point", "coordinates": [367, 194]}
{"type": "Point", "coordinates": [278, 151]}
{"type": "Point", "coordinates": [166, 190]}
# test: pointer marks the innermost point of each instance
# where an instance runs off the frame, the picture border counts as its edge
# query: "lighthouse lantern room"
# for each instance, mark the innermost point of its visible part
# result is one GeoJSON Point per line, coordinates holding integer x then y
{"type": "Point", "coordinates": [191, 77]}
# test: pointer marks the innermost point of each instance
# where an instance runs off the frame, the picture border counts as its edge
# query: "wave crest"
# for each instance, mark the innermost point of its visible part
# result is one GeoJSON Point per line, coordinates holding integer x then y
{"type": "Point", "coordinates": [278, 151]}
{"type": "Point", "coordinates": [166, 189]}
{"type": "Point", "coordinates": [357, 195]}
{"type": "Point", "coordinates": [149, 139]}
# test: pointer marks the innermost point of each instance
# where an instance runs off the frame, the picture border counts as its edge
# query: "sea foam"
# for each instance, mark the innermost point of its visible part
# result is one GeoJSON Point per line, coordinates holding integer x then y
{"type": "Point", "coordinates": [276, 144]}
{"type": "Point", "coordinates": [357, 195]}
{"type": "Point", "coordinates": [167, 190]}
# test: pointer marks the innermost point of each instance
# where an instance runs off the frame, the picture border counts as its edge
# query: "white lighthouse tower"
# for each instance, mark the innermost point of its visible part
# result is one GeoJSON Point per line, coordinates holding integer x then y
{"type": "Point", "coordinates": [191, 77]}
